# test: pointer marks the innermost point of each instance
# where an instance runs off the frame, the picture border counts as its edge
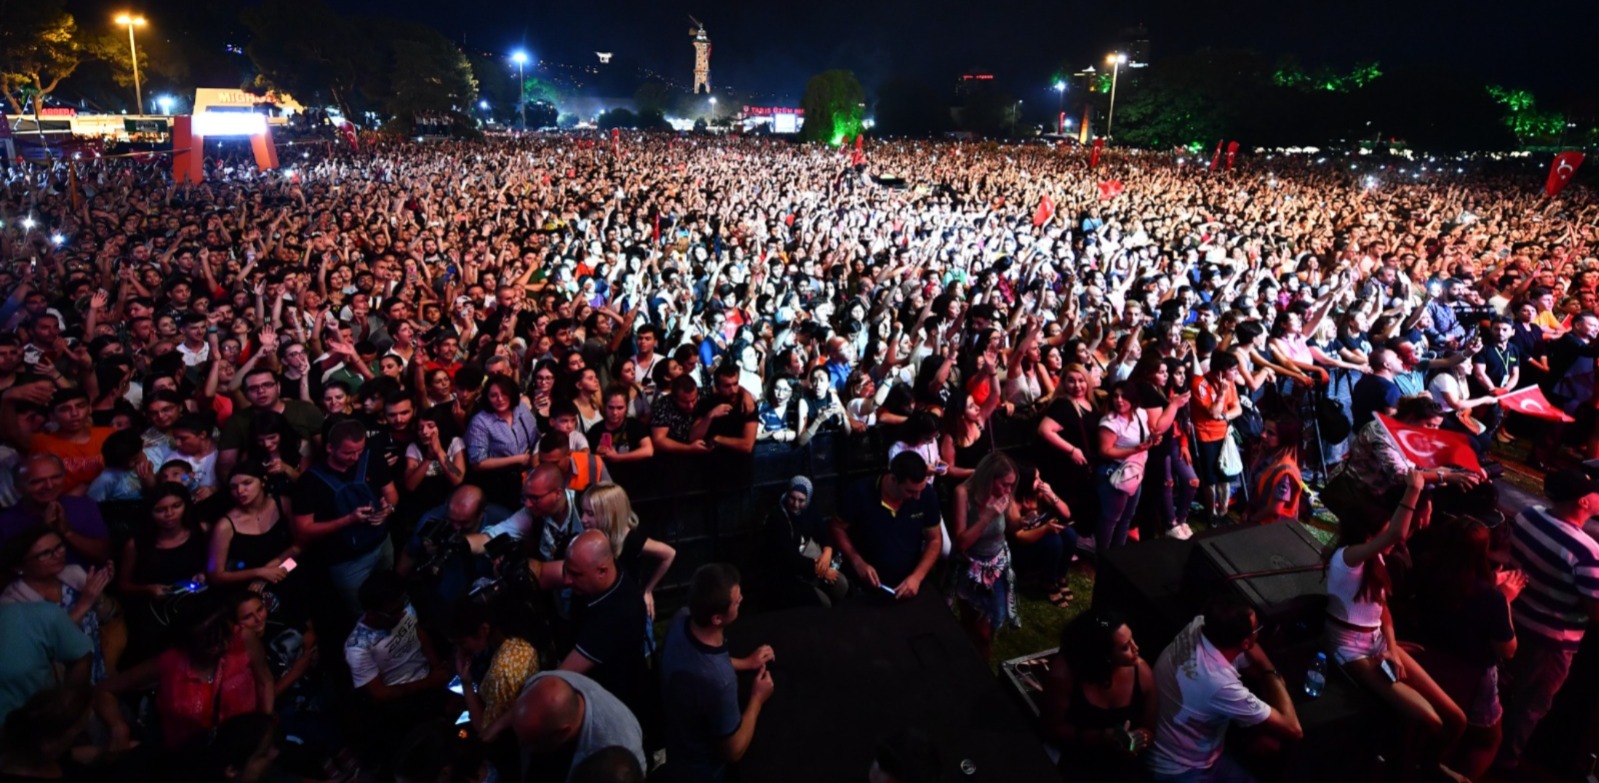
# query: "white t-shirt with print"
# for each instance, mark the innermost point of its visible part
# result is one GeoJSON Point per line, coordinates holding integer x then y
{"type": "Point", "coordinates": [394, 654]}
{"type": "Point", "coordinates": [1129, 432]}
{"type": "Point", "coordinates": [1199, 694]}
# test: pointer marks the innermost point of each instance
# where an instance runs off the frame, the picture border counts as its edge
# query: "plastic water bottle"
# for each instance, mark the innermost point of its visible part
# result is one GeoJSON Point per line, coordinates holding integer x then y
{"type": "Point", "coordinates": [1316, 678]}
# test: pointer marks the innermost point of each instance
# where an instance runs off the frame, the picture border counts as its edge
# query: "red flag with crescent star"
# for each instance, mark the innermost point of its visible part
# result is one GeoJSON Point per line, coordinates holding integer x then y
{"type": "Point", "coordinates": [1045, 211]}
{"type": "Point", "coordinates": [1531, 402]}
{"type": "Point", "coordinates": [1432, 448]}
{"type": "Point", "coordinates": [1093, 157]}
{"type": "Point", "coordinates": [1215, 160]}
{"type": "Point", "coordinates": [1561, 172]}
{"type": "Point", "coordinates": [1110, 189]}
{"type": "Point", "coordinates": [1232, 152]}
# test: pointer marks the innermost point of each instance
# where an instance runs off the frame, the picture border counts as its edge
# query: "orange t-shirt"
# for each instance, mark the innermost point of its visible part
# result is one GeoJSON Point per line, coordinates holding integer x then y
{"type": "Point", "coordinates": [1209, 428]}
{"type": "Point", "coordinates": [83, 461]}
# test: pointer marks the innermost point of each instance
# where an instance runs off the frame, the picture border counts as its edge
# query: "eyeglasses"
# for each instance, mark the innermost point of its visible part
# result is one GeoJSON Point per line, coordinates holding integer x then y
{"type": "Point", "coordinates": [55, 551]}
{"type": "Point", "coordinates": [256, 387]}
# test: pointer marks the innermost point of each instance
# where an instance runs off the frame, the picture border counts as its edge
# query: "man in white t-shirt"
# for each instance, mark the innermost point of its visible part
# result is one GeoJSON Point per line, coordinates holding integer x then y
{"type": "Point", "coordinates": [389, 654]}
{"type": "Point", "coordinates": [1199, 691]}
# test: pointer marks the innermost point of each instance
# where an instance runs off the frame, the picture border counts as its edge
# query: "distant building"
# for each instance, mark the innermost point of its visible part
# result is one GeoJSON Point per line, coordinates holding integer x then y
{"type": "Point", "coordinates": [1134, 42]}
{"type": "Point", "coordinates": [975, 81]}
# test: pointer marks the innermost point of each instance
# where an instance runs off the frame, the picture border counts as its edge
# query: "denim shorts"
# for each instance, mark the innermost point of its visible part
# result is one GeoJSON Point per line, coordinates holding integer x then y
{"type": "Point", "coordinates": [1485, 709]}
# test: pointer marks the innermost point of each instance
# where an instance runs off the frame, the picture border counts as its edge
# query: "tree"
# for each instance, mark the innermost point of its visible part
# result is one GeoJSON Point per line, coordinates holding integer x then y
{"type": "Point", "coordinates": [304, 48]}
{"type": "Point", "coordinates": [496, 83]}
{"type": "Point", "coordinates": [910, 107]}
{"type": "Point", "coordinates": [653, 119]}
{"type": "Point", "coordinates": [618, 118]}
{"type": "Point", "coordinates": [39, 46]}
{"type": "Point", "coordinates": [652, 95]}
{"type": "Point", "coordinates": [427, 71]}
{"type": "Point", "coordinates": [833, 107]}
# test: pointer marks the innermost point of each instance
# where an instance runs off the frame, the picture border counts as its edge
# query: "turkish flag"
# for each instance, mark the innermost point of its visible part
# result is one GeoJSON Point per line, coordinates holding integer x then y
{"type": "Point", "coordinates": [1215, 160]}
{"type": "Point", "coordinates": [1531, 402]}
{"type": "Point", "coordinates": [860, 142]}
{"type": "Point", "coordinates": [655, 235]}
{"type": "Point", "coordinates": [1045, 211]}
{"type": "Point", "coordinates": [1232, 152]}
{"type": "Point", "coordinates": [347, 130]}
{"type": "Point", "coordinates": [1110, 189]}
{"type": "Point", "coordinates": [1429, 448]}
{"type": "Point", "coordinates": [1561, 172]}
{"type": "Point", "coordinates": [1093, 157]}
{"type": "Point", "coordinates": [616, 141]}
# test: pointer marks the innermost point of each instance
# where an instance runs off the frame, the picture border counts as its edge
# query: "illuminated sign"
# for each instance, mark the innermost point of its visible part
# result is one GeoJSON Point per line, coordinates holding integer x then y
{"type": "Point", "coordinates": [229, 124]}
{"type": "Point", "coordinates": [981, 77]}
{"type": "Point", "coordinates": [58, 111]}
{"type": "Point", "coordinates": [771, 111]}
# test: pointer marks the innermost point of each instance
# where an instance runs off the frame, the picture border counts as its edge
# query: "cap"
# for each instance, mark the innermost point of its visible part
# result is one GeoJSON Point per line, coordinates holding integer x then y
{"type": "Point", "coordinates": [1564, 486]}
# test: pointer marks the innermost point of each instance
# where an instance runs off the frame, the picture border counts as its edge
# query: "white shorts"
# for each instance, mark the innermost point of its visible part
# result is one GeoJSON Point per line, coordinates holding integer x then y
{"type": "Point", "coordinates": [1349, 644]}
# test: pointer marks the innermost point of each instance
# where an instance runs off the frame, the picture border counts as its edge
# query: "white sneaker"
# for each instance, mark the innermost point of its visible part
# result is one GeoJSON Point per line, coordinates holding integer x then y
{"type": "Point", "coordinates": [1188, 532]}
{"type": "Point", "coordinates": [1179, 532]}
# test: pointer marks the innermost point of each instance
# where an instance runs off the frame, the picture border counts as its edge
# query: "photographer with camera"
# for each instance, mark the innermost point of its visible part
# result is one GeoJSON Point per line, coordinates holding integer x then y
{"type": "Point", "coordinates": [439, 560]}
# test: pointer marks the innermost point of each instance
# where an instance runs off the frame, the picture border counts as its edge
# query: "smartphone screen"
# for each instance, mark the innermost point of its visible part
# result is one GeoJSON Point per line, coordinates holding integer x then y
{"type": "Point", "coordinates": [289, 564]}
{"type": "Point", "coordinates": [455, 685]}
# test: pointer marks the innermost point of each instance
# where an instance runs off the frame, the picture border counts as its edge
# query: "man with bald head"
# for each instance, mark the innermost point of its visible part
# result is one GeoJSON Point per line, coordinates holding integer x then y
{"type": "Point", "coordinates": [448, 571]}
{"type": "Point", "coordinates": [548, 520]}
{"type": "Point", "coordinates": [563, 718]}
{"type": "Point", "coordinates": [608, 617]}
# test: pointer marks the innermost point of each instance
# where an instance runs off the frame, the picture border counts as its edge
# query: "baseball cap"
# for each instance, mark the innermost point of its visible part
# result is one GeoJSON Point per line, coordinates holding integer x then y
{"type": "Point", "coordinates": [1564, 486]}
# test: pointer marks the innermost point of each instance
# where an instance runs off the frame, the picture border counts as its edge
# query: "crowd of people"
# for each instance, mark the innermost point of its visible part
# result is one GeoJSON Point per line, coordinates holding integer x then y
{"type": "Point", "coordinates": [330, 474]}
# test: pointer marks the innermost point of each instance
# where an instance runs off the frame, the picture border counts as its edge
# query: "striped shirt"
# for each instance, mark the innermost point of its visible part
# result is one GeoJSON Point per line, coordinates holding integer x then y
{"type": "Point", "coordinates": [1562, 566]}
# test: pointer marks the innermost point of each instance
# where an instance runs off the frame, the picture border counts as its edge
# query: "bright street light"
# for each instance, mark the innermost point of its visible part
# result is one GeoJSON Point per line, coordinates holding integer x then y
{"type": "Point", "coordinates": [165, 102]}
{"type": "Point", "coordinates": [133, 52]}
{"type": "Point", "coordinates": [520, 58]}
{"type": "Point", "coordinates": [1115, 61]}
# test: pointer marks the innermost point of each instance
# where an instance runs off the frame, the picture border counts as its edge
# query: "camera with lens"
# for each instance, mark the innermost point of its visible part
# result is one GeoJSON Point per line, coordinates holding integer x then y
{"type": "Point", "coordinates": [440, 541]}
{"type": "Point", "coordinates": [512, 575]}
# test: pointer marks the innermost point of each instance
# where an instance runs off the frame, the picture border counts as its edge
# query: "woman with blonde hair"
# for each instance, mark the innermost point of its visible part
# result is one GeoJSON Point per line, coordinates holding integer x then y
{"type": "Point", "coordinates": [606, 508]}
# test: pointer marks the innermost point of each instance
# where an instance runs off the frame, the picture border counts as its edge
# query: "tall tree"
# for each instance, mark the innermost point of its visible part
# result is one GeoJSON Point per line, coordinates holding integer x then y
{"type": "Point", "coordinates": [304, 48]}
{"type": "Point", "coordinates": [39, 46]}
{"type": "Point", "coordinates": [834, 105]}
{"type": "Point", "coordinates": [427, 72]}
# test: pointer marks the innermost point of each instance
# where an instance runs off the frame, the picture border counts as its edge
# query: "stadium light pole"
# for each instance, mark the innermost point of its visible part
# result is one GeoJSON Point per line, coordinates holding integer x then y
{"type": "Point", "coordinates": [1115, 62]}
{"type": "Point", "coordinates": [520, 58]}
{"type": "Point", "coordinates": [133, 53]}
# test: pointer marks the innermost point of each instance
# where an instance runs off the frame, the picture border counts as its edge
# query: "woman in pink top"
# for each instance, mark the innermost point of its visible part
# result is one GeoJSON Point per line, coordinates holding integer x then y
{"type": "Point", "coordinates": [216, 671]}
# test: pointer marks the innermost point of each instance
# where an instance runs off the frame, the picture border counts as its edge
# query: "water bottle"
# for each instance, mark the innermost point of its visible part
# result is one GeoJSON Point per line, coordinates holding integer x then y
{"type": "Point", "coordinates": [1316, 678]}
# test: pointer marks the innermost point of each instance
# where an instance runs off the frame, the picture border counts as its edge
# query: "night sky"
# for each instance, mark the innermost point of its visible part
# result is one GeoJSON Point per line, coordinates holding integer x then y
{"type": "Point", "coordinates": [1543, 45]}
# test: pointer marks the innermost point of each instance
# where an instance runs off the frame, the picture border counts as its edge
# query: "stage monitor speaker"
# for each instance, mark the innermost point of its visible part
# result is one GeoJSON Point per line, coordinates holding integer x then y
{"type": "Point", "coordinates": [1278, 569]}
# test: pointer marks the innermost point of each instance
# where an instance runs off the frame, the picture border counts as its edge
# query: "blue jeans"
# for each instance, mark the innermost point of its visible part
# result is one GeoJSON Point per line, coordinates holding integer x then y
{"type": "Point", "coordinates": [1047, 558]}
{"type": "Point", "coordinates": [1116, 509]}
{"type": "Point", "coordinates": [1536, 674]}
{"type": "Point", "coordinates": [346, 576]}
{"type": "Point", "coordinates": [1224, 771]}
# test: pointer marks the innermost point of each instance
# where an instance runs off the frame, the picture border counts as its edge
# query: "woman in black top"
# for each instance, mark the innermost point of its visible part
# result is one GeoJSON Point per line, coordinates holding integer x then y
{"type": "Point", "coordinates": [798, 567]}
{"type": "Point", "coordinates": [1463, 618]}
{"type": "Point", "coordinates": [1099, 699]}
{"type": "Point", "coordinates": [163, 560]}
{"type": "Point", "coordinates": [1068, 442]}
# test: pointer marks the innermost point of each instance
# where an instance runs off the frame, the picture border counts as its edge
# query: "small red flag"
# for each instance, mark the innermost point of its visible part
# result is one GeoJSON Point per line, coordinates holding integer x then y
{"type": "Point", "coordinates": [1561, 172]}
{"type": "Point", "coordinates": [1045, 211]}
{"type": "Point", "coordinates": [656, 235]}
{"type": "Point", "coordinates": [616, 141]}
{"type": "Point", "coordinates": [1232, 152]}
{"type": "Point", "coordinates": [1110, 189]}
{"type": "Point", "coordinates": [1530, 401]}
{"type": "Point", "coordinates": [1431, 448]}
{"type": "Point", "coordinates": [860, 142]}
{"type": "Point", "coordinates": [1215, 160]}
{"type": "Point", "coordinates": [1093, 157]}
